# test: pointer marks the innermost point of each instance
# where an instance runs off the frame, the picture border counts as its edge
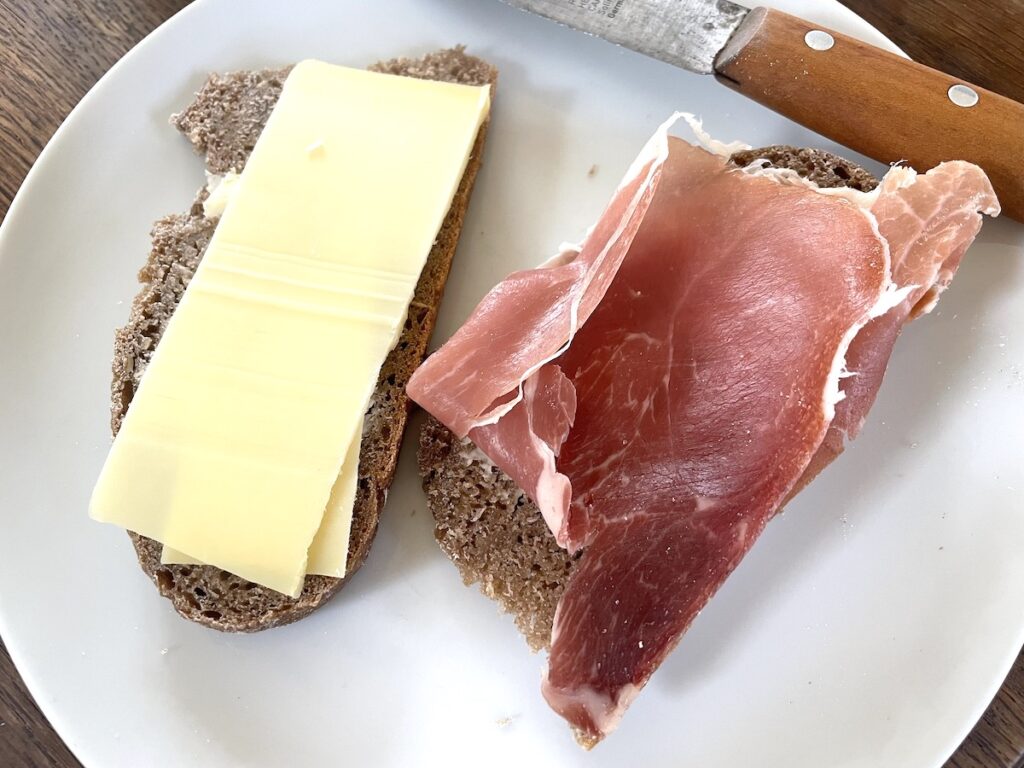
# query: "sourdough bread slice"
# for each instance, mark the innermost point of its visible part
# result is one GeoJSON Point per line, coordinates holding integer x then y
{"type": "Point", "coordinates": [223, 124]}
{"type": "Point", "coordinates": [489, 528]}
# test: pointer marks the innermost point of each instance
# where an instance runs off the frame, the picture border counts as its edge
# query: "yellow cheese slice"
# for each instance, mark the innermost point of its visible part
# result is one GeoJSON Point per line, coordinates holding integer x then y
{"type": "Point", "coordinates": [239, 429]}
{"type": "Point", "coordinates": [329, 551]}
{"type": "Point", "coordinates": [328, 554]}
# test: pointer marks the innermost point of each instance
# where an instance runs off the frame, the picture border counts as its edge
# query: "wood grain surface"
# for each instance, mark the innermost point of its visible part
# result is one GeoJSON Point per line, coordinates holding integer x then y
{"type": "Point", "coordinates": [52, 51]}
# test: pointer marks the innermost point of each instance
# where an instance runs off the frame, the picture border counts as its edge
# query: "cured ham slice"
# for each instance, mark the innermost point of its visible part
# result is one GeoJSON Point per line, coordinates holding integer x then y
{"type": "Point", "coordinates": [705, 382]}
{"type": "Point", "coordinates": [660, 391]}
{"type": "Point", "coordinates": [530, 317]}
{"type": "Point", "coordinates": [929, 222]}
{"type": "Point", "coordinates": [527, 440]}
{"type": "Point", "coordinates": [717, 323]}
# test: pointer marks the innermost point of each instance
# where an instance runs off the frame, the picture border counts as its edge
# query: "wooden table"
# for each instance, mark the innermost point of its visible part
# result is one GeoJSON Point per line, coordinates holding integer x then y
{"type": "Point", "coordinates": [52, 51]}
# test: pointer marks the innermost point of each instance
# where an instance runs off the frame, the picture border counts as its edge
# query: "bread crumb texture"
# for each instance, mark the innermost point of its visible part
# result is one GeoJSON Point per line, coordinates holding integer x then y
{"type": "Point", "coordinates": [493, 532]}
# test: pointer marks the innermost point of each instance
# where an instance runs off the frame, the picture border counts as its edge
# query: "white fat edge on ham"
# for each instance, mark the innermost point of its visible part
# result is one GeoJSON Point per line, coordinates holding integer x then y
{"type": "Point", "coordinates": [889, 298]}
{"type": "Point", "coordinates": [706, 140]}
{"type": "Point", "coordinates": [654, 153]}
{"type": "Point", "coordinates": [604, 711]}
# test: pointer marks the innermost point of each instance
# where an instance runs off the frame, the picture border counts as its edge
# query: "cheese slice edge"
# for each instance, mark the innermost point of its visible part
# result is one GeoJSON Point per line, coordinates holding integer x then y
{"type": "Point", "coordinates": [328, 554]}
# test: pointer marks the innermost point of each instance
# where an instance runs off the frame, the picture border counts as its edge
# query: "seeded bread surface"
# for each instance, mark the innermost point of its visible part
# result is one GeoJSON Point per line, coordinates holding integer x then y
{"type": "Point", "coordinates": [489, 528]}
{"type": "Point", "coordinates": [223, 124]}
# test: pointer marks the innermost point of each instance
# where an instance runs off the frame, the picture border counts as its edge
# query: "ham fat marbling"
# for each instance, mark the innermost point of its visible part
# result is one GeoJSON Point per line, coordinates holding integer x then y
{"type": "Point", "coordinates": [661, 390]}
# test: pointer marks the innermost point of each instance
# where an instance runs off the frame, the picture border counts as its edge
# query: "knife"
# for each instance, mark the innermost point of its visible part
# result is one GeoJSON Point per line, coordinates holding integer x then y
{"type": "Point", "coordinates": [873, 101]}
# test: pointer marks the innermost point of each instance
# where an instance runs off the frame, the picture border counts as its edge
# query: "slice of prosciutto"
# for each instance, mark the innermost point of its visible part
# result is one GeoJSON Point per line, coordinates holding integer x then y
{"type": "Point", "coordinates": [660, 391]}
{"type": "Point", "coordinates": [530, 317]}
{"type": "Point", "coordinates": [705, 382]}
{"type": "Point", "coordinates": [929, 222]}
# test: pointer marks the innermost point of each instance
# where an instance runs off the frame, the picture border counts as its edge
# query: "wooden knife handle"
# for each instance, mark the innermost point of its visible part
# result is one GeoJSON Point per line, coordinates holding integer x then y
{"type": "Point", "coordinates": [875, 102]}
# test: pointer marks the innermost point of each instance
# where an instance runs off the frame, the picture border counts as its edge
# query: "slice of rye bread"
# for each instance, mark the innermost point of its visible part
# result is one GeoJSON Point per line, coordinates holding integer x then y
{"type": "Point", "coordinates": [489, 528]}
{"type": "Point", "coordinates": [223, 123]}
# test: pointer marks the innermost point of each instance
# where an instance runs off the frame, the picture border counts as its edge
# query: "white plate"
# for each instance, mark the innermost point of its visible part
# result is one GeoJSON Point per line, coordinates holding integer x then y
{"type": "Point", "coordinates": [869, 627]}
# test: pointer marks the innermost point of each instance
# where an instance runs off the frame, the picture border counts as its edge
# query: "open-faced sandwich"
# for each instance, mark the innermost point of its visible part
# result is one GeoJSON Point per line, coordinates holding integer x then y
{"type": "Point", "coordinates": [615, 428]}
{"type": "Point", "coordinates": [258, 399]}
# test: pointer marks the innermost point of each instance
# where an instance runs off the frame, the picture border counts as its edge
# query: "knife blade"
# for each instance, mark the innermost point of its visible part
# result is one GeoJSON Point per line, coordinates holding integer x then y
{"type": "Point", "coordinates": [873, 101]}
{"type": "Point", "coordinates": [687, 33]}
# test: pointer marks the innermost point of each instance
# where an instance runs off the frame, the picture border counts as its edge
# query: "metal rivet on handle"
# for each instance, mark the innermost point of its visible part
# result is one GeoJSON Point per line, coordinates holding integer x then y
{"type": "Point", "coordinates": [963, 95]}
{"type": "Point", "coordinates": [819, 40]}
